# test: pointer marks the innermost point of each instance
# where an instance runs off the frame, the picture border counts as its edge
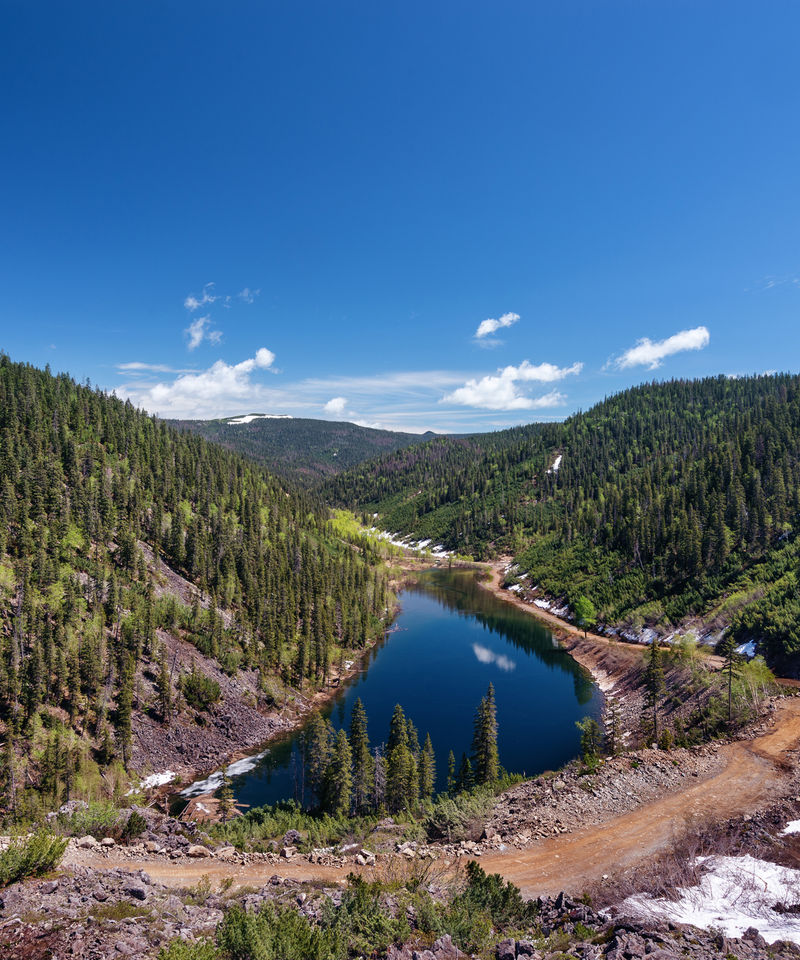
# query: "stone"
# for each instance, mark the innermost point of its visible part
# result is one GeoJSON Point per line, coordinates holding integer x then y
{"type": "Point", "coordinates": [136, 890]}
{"type": "Point", "coordinates": [153, 846]}
{"type": "Point", "coordinates": [197, 850]}
{"type": "Point", "coordinates": [525, 948]}
{"type": "Point", "coordinates": [86, 843]}
{"type": "Point", "coordinates": [108, 842]}
{"type": "Point", "coordinates": [506, 950]}
{"type": "Point", "coordinates": [49, 887]}
{"type": "Point", "coordinates": [288, 852]}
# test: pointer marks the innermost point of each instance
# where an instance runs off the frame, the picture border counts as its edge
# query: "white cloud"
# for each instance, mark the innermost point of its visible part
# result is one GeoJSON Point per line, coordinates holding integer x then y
{"type": "Point", "coordinates": [650, 353]}
{"type": "Point", "coordinates": [193, 303]}
{"type": "Point", "coordinates": [136, 366]}
{"type": "Point", "coordinates": [247, 295]}
{"type": "Point", "coordinates": [200, 330]}
{"type": "Point", "coordinates": [336, 406]}
{"type": "Point", "coordinates": [487, 327]}
{"type": "Point", "coordinates": [500, 391]}
{"type": "Point", "coordinates": [206, 393]}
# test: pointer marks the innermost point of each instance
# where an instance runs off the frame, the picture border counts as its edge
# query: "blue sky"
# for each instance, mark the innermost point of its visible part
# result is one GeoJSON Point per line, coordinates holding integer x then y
{"type": "Point", "coordinates": [313, 208]}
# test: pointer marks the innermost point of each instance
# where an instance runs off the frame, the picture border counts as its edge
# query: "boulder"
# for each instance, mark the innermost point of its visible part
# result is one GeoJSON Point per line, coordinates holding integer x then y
{"type": "Point", "coordinates": [506, 950]}
{"type": "Point", "coordinates": [197, 850]}
{"type": "Point", "coordinates": [288, 852]}
{"type": "Point", "coordinates": [87, 843]}
{"type": "Point", "coordinates": [108, 842]}
{"type": "Point", "coordinates": [136, 890]}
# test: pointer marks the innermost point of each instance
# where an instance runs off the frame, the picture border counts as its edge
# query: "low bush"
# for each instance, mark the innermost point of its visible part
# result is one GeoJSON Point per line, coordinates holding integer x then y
{"type": "Point", "coordinates": [198, 690]}
{"type": "Point", "coordinates": [30, 856]}
{"type": "Point", "coordinates": [459, 817]}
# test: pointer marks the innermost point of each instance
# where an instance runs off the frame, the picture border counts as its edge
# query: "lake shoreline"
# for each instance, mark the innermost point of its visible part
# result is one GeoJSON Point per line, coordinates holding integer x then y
{"type": "Point", "coordinates": [614, 666]}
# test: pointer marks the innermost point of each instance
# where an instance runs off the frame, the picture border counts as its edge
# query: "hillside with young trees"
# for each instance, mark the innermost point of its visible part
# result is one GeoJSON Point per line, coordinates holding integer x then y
{"type": "Point", "coordinates": [662, 502]}
{"type": "Point", "coordinates": [300, 449]}
{"type": "Point", "coordinates": [155, 589]}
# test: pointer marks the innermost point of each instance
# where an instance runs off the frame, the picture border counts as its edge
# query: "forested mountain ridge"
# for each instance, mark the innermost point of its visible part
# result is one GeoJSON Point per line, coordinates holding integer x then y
{"type": "Point", "coordinates": [145, 575]}
{"type": "Point", "coordinates": [300, 449]}
{"type": "Point", "coordinates": [663, 501]}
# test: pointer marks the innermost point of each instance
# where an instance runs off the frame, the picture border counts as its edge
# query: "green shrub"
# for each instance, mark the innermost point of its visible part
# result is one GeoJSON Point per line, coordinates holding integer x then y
{"type": "Point", "coordinates": [198, 690]}
{"type": "Point", "coordinates": [182, 950]}
{"type": "Point", "coordinates": [134, 827]}
{"type": "Point", "coordinates": [30, 856]}
{"type": "Point", "coordinates": [277, 934]}
{"type": "Point", "coordinates": [98, 819]}
{"type": "Point", "coordinates": [459, 817]}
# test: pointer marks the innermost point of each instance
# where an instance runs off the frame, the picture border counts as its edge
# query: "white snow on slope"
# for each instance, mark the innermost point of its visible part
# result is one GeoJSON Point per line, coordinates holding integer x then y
{"type": "Point", "coordinates": [154, 780]}
{"type": "Point", "coordinates": [793, 826]}
{"type": "Point", "coordinates": [736, 893]}
{"type": "Point", "coordinates": [556, 464]}
{"type": "Point", "coordinates": [214, 782]}
{"type": "Point", "coordinates": [260, 416]}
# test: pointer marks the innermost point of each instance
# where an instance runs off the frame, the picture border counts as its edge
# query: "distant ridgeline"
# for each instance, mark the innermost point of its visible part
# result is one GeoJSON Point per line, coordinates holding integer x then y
{"type": "Point", "coordinates": [664, 501]}
{"type": "Point", "coordinates": [300, 449]}
{"type": "Point", "coordinates": [93, 496]}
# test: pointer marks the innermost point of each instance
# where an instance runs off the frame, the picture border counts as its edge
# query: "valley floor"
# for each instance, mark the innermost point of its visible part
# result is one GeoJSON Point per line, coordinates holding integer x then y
{"type": "Point", "coordinates": [751, 775]}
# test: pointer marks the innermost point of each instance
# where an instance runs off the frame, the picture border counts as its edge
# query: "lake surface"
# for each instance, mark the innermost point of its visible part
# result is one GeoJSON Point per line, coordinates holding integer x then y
{"type": "Point", "coordinates": [450, 639]}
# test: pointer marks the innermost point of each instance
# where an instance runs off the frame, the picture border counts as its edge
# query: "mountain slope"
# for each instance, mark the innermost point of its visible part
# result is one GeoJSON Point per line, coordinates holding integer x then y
{"type": "Point", "coordinates": [151, 581]}
{"type": "Point", "coordinates": [300, 449]}
{"type": "Point", "coordinates": [664, 501]}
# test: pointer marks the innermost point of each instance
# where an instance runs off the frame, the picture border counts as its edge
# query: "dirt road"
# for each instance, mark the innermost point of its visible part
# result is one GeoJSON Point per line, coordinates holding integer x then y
{"type": "Point", "coordinates": [756, 772]}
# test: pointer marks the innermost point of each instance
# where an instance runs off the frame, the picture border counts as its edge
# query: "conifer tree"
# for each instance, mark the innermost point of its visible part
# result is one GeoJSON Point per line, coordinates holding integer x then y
{"type": "Point", "coordinates": [362, 758]}
{"type": "Point", "coordinates": [485, 758]}
{"type": "Point", "coordinates": [654, 682]}
{"type": "Point", "coordinates": [427, 770]}
{"type": "Point", "coordinates": [338, 776]}
{"type": "Point", "coordinates": [451, 772]}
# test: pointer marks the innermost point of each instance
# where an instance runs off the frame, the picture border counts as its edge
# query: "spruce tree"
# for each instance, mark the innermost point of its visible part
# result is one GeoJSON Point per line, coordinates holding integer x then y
{"type": "Point", "coordinates": [362, 759]}
{"type": "Point", "coordinates": [427, 770]}
{"type": "Point", "coordinates": [339, 777]}
{"type": "Point", "coordinates": [485, 758]}
{"type": "Point", "coordinates": [654, 682]}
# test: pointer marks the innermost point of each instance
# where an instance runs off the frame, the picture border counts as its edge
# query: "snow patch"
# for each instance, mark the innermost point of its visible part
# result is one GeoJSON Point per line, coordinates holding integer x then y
{"type": "Point", "coordinates": [154, 780]}
{"type": "Point", "coordinates": [543, 604]}
{"type": "Point", "coordinates": [556, 464]}
{"type": "Point", "coordinates": [408, 544]}
{"type": "Point", "coordinates": [793, 826]}
{"type": "Point", "coordinates": [248, 418]}
{"type": "Point", "coordinates": [735, 893]}
{"type": "Point", "coordinates": [747, 649]}
{"type": "Point", "coordinates": [214, 782]}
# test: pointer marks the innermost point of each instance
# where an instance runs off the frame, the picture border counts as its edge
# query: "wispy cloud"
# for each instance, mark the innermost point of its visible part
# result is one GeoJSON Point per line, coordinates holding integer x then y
{"type": "Point", "coordinates": [136, 366]}
{"type": "Point", "coordinates": [651, 353]}
{"type": "Point", "coordinates": [501, 391]}
{"type": "Point", "coordinates": [486, 328]}
{"type": "Point", "coordinates": [247, 295]}
{"type": "Point", "coordinates": [336, 406]}
{"type": "Point", "coordinates": [200, 330]}
{"type": "Point", "coordinates": [208, 296]}
{"type": "Point", "coordinates": [485, 655]}
{"type": "Point", "coordinates": [779, 280]}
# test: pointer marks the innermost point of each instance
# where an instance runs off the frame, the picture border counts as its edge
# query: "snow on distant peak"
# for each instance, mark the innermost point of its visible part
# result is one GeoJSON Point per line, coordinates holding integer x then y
{"type": "Point", "coordinates": [260, 416]}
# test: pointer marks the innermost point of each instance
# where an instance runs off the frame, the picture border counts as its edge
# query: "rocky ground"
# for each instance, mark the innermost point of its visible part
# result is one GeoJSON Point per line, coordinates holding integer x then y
{"type": "Point", "coordinates": [108, 915]}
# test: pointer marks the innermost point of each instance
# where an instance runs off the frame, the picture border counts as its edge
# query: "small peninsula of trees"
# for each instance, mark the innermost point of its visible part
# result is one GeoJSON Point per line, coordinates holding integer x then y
{"type": "Point", "coordinates": [342, 774]}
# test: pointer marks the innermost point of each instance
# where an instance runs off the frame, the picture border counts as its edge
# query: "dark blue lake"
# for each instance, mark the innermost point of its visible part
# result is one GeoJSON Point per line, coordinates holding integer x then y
{"type": "Point", "coordinates": [450, 639]}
